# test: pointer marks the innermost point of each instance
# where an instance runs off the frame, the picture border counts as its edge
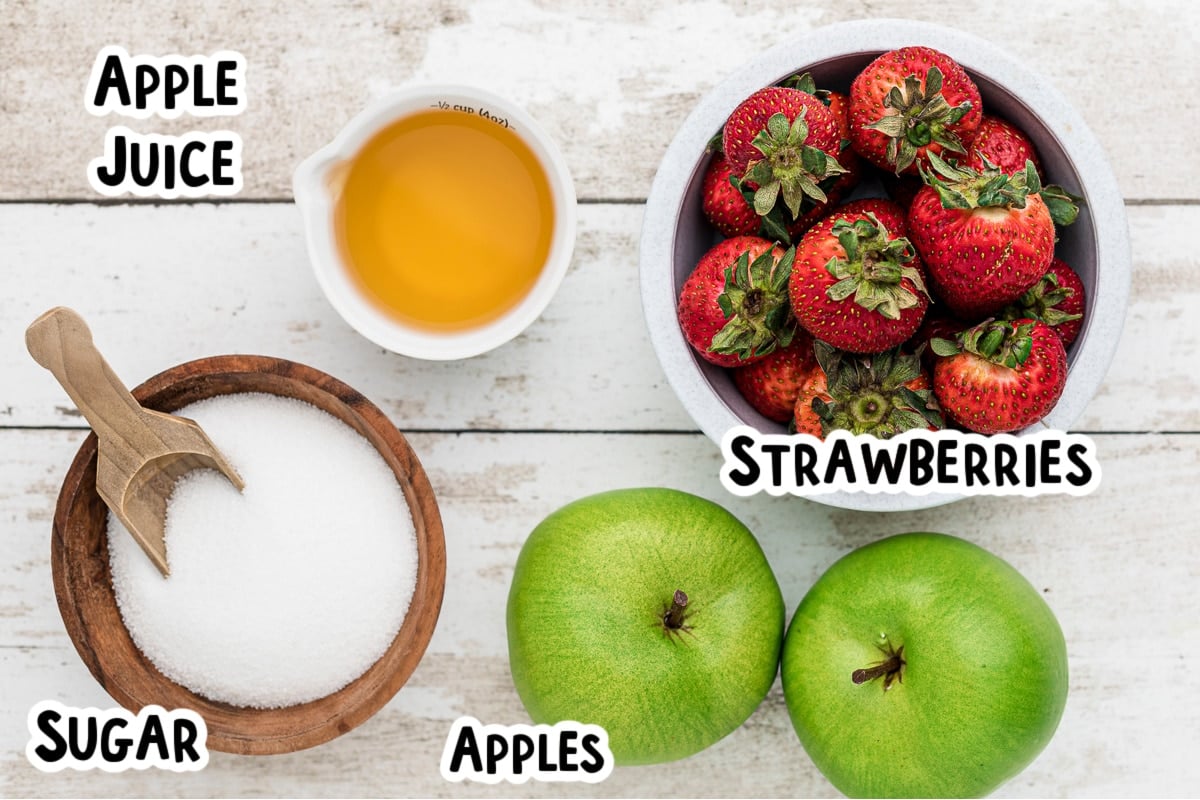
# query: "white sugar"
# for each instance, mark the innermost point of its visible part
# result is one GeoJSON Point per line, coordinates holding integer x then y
{"type": "Point", "coordinates": [289, 591]}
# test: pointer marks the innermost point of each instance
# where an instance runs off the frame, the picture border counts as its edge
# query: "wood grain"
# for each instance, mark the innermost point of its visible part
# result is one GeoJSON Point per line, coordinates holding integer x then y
{"type": "Point", "coordinates": [1118, 568]}
{"type": "Point", "coordinates": [206, 279]}
{"type": "Point", "coordinates": [622, 75]}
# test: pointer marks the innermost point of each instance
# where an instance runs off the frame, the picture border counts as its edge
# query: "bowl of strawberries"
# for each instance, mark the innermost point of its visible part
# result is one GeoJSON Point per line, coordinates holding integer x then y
{"type": "Point", "coordinates": [880, 226]}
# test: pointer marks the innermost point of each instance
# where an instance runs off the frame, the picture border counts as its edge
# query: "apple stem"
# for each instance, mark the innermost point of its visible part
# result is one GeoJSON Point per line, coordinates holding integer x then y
{"type": "Point", "coordinates": [889, 669]}
{"type": "Point", "coordinates": [673, 619]}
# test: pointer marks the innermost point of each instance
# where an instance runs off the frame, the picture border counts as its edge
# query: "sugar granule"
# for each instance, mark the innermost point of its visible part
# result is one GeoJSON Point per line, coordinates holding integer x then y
{"type": "Point", "coordinates": [284, 593]}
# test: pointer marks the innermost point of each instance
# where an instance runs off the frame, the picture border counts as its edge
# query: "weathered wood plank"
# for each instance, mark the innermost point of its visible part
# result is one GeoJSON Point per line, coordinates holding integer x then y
{"type": "Point", "coordinates": [164, 284]}
{"type": "Point", "coordinates": [159, 286]}
{"type": "Point", "coordinates": [1118, 567]}
{"type": "Point", "coordinates": [611, 81]}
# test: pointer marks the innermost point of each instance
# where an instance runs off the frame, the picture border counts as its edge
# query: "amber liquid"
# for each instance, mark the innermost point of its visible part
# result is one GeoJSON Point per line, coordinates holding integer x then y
{"type": "Point", "coordinates": [444, 220]}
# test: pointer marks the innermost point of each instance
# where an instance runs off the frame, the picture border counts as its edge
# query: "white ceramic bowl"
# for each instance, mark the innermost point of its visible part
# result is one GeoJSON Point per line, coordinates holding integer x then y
{"type": "Point", "coordinates": [316, 183]}
{"type": "Point", "coordinates": [675, 233]}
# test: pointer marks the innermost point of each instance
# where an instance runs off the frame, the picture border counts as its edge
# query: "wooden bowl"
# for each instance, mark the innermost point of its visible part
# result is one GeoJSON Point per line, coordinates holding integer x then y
{"type": "Point", "coordinates": [83, 583]}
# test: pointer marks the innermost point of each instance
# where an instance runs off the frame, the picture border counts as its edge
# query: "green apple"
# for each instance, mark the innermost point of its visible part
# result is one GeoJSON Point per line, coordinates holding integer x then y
{"type": "Point", "coordinates": [650, 612]}
{"type": "Point", "coordinates": [923, 666]}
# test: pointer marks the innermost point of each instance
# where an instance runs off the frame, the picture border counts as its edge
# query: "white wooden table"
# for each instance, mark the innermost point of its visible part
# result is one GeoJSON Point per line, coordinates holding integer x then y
{"type": "Point", "coordinates": [578, 403]}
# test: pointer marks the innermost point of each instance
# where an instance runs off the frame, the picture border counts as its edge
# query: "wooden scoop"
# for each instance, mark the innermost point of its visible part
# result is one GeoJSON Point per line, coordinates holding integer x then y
{"type": "Point", "coordinates": [141, 453]}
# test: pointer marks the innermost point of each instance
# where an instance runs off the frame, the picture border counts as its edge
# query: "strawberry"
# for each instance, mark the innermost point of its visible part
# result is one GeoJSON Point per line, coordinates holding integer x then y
{"type": "Point", "coordinates": [882, 394]}
{"type": "Point", "coordinates": [891, 215]}
{"type": "Point", "coordinates": [838, 188]}
{"type": "Point", "coordinates": [772, 383]}
{"type": "Point", "coordinates": [723, 203]}
{"type": "Point", "coordinates": [911, 102]}
{"type": "Point", "coordinates": [985, 237]}
{"type": "Point", "coordinates": [804, 416]}
{"type": "Point", "coordinates": [856, 282]}
{"type": "Point", "coordinates": [786, 141]}
{"type": "Point", "coordinates": [734, 308]}
{"type": "Point", "coordinates": [812, 213]}
{"type": "Point", "coordinates": [1057, 299]}
{"type": "Point", "coordinates": [1003, 144]}
{"type": "Point", "coordinates": [839, 106]}
{"type": "Point", "coordinates": [936, 325]}
{"type": "Point", "coordinates": [1001, 375]}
